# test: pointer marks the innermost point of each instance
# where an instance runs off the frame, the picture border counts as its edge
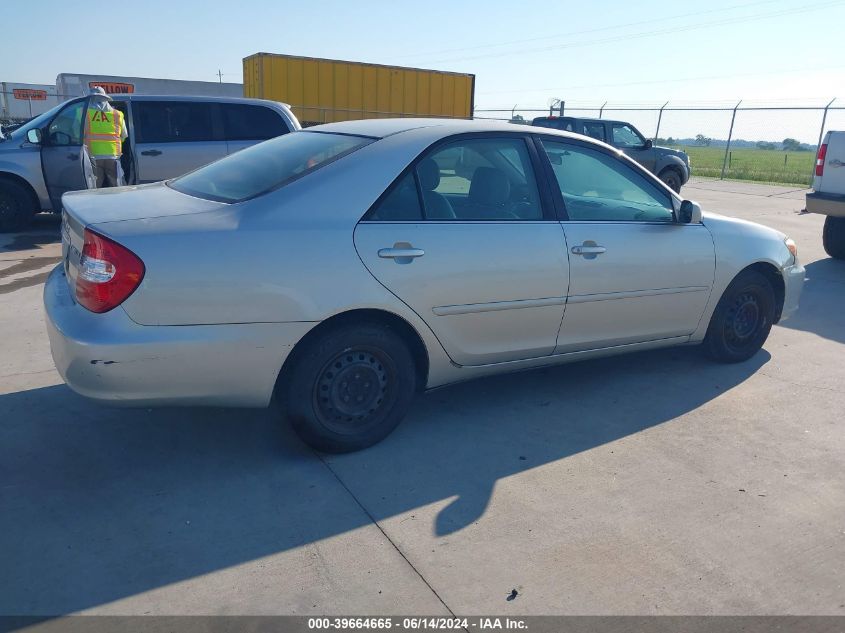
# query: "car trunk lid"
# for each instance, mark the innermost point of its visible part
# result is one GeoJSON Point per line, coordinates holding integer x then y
{"type": "Point", "coordinates": [83, 209]}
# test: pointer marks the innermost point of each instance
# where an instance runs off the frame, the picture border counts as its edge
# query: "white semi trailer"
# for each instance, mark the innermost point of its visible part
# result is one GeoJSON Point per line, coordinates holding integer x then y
{"type": "Point", "coordinates": [74, 84]}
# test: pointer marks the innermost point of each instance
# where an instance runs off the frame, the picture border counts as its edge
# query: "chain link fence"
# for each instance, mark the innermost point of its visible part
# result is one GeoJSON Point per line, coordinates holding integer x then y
{"type": "Point", "coordinates": [775, 144]}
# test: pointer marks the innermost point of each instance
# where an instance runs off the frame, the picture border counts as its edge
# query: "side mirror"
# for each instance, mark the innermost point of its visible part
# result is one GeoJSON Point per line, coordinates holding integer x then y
{"type": "Point", "coordinates": [690, 212]}
{"type": "Point", "coordinates": [649, 144]}
{"type": "Point", "coordinates": [34, 136]}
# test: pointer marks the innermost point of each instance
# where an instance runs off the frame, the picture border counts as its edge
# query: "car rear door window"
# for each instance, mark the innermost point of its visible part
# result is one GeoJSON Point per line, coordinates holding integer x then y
{"type": "Point", "coordinates": [479, 179]}
{"type": "Point", "coordinates": [245, 122]}
{"type": "Point", "coordinates": [596, 186]}
{"type": "Point", "coordinates": [401, 203]}
{"type": "Point", "coordinates": [173, 121]}
{"type": "Point", "coordinates": [594, 130]}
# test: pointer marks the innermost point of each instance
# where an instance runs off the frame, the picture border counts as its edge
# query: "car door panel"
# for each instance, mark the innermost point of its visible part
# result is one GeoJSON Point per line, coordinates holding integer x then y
{"type": "Point", "coordinates": [486, 264]}
{"type": "Point", "coordinates": [636, 274]}
{"type": "Point", "coordinates": [652, 281]}
{"type": "Point", "coordinates": [175, 137]}
{"type": "Point", "coordinates": [491, 292]}
{"type": "Point", "coordinates": [63, 159]}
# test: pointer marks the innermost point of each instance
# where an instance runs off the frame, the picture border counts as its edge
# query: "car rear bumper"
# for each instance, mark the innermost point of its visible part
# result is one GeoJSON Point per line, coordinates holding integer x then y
{"type": "Point", "coordinates": [826, 204]}
{"type": "Point", "coordinates": [793, 279]}
{"type": "Point", "coordinates": [110, 358]}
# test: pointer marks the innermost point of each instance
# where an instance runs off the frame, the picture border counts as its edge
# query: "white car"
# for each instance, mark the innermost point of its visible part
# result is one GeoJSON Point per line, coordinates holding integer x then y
{"type": "Point", "coordinates": [346, 266]}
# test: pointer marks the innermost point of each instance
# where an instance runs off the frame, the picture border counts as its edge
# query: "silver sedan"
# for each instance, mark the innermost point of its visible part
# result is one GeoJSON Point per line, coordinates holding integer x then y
{"type": "Point", "coordinates": [343, 268]}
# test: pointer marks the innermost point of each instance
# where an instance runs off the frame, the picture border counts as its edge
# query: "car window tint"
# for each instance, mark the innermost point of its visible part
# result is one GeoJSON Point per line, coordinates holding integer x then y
{"type": "Point", "coordinates": [402, 203]}
{"type": "Point", "coordinates": [173, 121]}
{"type": "Point", "coordinates": [595, 130]}
{"type": "Point", "coordinates": [243, 122]}
{"type": "Point", "coordinates": [266, 166]}
{"type": "Point", "coordinates": [625, 136]}
{"type": "Point", "coordinates": [66, 128]}
{"type": "Point", "coordinates": [479, 179]}
{"type": "Point", "coordinates": [599, 187]}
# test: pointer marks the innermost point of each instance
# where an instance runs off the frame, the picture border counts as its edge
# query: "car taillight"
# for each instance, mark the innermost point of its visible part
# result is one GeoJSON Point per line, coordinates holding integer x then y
{"type": "Point", "coordinates": [108, 273]}
{"type": "Point", "coordinates": [820, 160]}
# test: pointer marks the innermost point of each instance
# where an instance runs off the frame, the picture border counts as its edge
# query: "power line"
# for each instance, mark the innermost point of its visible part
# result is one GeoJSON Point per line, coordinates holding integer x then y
{"type": "Point", "coordinates": [620, 38]}
{"type": "Point", "coordinates": [803, 69]}
{"type": "Point", "coordinates": [586, 31]}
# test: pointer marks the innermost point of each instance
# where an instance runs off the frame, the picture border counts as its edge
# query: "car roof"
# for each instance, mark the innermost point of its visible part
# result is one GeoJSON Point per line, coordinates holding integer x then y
{"type": "Point", "coordinates": [380, 128]}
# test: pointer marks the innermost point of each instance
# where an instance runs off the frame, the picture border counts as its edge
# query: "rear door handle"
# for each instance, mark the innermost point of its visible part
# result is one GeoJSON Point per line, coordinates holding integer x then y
{"type": "Point", "coordinates": [151, 152]}
{"type": "Point", "coordinates": [72, 156]}
{"type": "Point", "coordinates": [399, 253]}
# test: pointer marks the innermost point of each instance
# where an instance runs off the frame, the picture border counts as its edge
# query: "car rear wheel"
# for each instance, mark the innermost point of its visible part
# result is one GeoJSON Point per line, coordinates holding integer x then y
{"type": "Point", "coordinates": [833, 237]}
{"type": "Point", "coordinates": [671, 178]}
{"type": "Point", "coordinates": [16, 208]}
{"type": "Point", "coordinates": [349, 388]}
{"type": "Point", "coordinates": [742, 320]}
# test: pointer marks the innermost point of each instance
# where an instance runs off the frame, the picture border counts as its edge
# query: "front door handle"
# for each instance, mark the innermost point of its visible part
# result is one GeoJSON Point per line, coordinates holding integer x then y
{"type": "Point", "coordinates": [401, 253]}
{"type": "Point", "coordinates": [588, 249]}
{"type": "Point", "coordinates": [151, 152]}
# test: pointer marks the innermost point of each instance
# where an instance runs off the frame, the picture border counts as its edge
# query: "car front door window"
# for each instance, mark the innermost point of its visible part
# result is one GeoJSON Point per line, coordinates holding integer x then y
{"type": "Point", "coordinates": [626, 137]}
{"type": "Point", "coordinates": [66, 128]}
{"type": "Point", "coordinates": [596, 186]}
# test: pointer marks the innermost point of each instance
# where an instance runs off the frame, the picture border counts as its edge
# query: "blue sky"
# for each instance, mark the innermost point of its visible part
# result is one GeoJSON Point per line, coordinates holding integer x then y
{"type": "Point", "coordinates": [622, 52]}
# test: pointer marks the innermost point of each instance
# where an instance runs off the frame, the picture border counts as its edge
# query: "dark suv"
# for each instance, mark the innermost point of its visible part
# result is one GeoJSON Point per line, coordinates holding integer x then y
{"type": "Point", "coordinates": [670, 165]}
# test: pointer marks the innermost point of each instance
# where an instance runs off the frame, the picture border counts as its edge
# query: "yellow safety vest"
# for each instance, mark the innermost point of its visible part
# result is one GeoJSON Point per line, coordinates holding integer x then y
{"type": "Point", "coordinates": [102, 132]}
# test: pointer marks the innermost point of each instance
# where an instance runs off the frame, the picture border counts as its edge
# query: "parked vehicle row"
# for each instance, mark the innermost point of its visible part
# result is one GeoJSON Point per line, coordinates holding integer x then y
{"type": "Point", "coordinates": [672, 166]}
{"type": "Point", "coordinates": [168, 136]}
{"type": "Point", "coordinates": [343, 268]}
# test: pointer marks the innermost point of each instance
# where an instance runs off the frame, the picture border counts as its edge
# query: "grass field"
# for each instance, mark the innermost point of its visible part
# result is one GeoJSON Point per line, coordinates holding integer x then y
{"type": "Point", "coordinates": [773, 166]}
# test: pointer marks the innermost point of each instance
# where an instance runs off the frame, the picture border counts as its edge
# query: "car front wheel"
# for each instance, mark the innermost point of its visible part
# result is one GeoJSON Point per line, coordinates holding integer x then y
{"type": "Point", "coordinates": [349, 388]}
{"type": "Point", "coordinates": [16, 208]}
{"type": "Point", "coordinates": [671, 178]}
{"type": "Point", "coordinates": [742, 320]}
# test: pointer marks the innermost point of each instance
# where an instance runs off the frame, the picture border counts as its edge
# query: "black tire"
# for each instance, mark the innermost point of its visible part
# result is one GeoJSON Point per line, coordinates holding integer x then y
{"type": "Point", "coordinates": [16, 208]}
{"type": "Point", "coordinates": [833, 237]}
{"type": "Point", "coordinates": [349, 388]}
{"type": "Point", "coordinates": [742, 320]}
{"type": "Point", "coordinates": [672, 178]}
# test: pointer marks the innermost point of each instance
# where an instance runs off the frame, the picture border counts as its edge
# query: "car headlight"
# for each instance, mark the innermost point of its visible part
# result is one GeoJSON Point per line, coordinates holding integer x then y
{"type": "Point", "coordinates": [792, 247]}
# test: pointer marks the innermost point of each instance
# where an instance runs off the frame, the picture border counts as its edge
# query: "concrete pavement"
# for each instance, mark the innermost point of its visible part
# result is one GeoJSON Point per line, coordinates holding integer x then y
{"type": "Point", "coordinates": [656, 483]}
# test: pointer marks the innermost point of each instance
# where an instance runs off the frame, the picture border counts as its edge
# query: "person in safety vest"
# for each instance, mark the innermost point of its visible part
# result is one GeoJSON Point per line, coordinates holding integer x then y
{"type": "Point", "coordinates": [105, 130]}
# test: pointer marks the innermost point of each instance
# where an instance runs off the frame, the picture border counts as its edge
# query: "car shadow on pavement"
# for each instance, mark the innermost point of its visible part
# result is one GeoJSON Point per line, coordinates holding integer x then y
{"type": "Point", "coordinates": [99, 504]}
{"type": "Point", "coordinates": [822, 300]}
{"type": "Point", "coordinates": [43, 230]}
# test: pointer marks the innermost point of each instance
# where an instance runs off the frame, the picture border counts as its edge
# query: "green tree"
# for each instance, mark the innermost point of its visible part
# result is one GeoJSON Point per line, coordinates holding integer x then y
{"type": "Point", "coordinates": [791, 145]}
{"type": "Point", "coordinates": [766, 145]}
{"type": "Point", "coordinates": [702, 140]}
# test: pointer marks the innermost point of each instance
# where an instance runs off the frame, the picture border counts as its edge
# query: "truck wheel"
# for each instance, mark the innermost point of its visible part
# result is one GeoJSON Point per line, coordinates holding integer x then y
{"type": "Point", "coordinates": [742, 320]}
{"type": "Point", "coordinates": [16, 208]}
{"type": "Point", "coordinates": [833, 237]}
{"type": "Point", "coordinates": [671, 178]}
{"type": "Point", "coordinates": [349, 388]}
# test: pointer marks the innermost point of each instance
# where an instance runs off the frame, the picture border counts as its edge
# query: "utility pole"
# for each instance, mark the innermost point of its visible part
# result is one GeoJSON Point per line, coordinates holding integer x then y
{"type": "Point", "coordinates": [220, 75]}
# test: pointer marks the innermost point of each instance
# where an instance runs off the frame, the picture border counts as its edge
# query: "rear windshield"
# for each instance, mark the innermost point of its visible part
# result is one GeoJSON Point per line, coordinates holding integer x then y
{"type": "Point", "coordinates": [266, 166]}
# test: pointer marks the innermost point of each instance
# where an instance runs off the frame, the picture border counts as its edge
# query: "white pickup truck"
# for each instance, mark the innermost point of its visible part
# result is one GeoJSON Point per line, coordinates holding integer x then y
{"type": "Point", "coordinates": [828, 194]}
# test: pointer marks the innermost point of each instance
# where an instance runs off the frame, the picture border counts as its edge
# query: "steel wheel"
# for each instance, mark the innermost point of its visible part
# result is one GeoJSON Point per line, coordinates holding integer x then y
{"type": "Point", "coordinates": [352, 388]}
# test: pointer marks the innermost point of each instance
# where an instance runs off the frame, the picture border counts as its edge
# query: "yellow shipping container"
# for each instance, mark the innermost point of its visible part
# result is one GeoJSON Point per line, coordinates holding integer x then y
{"type": "Point", "coordinates": [328, 90]}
